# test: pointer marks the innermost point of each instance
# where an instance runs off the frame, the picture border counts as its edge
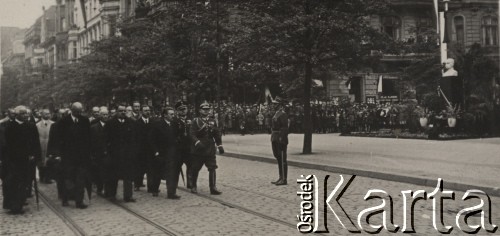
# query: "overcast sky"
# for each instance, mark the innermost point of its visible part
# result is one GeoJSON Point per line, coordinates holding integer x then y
{"type": "Point", "coordinates": [22, 13]}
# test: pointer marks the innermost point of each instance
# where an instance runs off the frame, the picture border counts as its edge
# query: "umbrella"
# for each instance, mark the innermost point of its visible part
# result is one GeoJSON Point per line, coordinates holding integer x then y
{"type": "Point", "coordinates": [182, 175]}
{"type": "Point", "coordinates": [35, 184]}
{"type": "Point", "coordinates": [88, 184]}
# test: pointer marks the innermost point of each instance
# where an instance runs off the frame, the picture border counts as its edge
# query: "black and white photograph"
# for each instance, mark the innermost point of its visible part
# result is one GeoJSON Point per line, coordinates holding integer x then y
{"type": "Point", "coordinates": [249, 117]}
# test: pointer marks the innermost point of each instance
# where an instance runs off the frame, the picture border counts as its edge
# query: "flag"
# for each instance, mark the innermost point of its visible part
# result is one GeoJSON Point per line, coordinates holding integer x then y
{"type": "Point", "coordinates": [379, 87]}
{"type": "Point", "coordinates": [446, 38]}
{"type": "Point", "coordinates": [84, 13]}
{"type": "Point", "coordinates": [269, 97]}
{"type": "Point", "coordinates": [436, 11]}
{"type": "Point", "coordinates": [317, 83]}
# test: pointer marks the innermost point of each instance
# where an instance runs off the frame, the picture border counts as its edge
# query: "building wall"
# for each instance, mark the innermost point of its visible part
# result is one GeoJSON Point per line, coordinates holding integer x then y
{"type": "Point", "coordinates": [412, 15]}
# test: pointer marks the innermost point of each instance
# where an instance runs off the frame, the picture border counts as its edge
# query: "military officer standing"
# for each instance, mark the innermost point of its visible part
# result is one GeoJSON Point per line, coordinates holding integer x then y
{"type": "Point", "coordinates": [205, 136]}
{"type": "Point", "coordinates": [279, 139]}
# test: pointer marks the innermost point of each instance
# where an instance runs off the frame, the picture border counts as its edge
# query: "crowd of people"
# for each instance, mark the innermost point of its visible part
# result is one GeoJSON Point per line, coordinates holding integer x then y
{"type": "Point", "coordinates": [91, 152]}
{"type": "Point", "coordinates": [361, 117]}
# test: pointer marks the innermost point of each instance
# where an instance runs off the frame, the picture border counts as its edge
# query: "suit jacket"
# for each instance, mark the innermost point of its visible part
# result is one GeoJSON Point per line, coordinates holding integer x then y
{"type": "Point", "coordinates": [43, 128]}
{"type": "Point", "coordinates": [163, 139]}
{"type": "Point", "coordinates": [73, 140]}
{"type": "Point", "coordinates": [205, 131]}
{"type": "Point", "coordinates": [279, 127]}
{"type": "Point", "coordinates": [98, 139]}
{"type": "Point", "coordinates": [143, 133]}
{"type": "Point", "coordinates": [122, 147]}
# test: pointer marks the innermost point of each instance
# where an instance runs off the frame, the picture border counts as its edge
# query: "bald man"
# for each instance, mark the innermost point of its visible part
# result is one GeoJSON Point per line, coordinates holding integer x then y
{"type": "Point", "coordinates": [73, 143]}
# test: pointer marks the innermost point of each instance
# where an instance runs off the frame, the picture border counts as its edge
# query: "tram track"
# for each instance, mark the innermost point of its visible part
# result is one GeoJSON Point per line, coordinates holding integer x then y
{"type": "Point", "coordinates": [70, 223]}
{"type": "Point", "coordinates": [143, 218]}
{"type": "Point", "coordinates": [241, 208]}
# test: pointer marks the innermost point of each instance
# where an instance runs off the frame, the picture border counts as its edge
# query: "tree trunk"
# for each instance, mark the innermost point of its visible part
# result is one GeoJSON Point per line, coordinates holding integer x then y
{"type": "Point", "coordinates": [307, 148]}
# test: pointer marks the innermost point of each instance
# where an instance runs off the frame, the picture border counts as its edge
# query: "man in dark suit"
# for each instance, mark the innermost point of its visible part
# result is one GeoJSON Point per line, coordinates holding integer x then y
{"type": "Point", "coordinates": [121, 145]}
{"type": "Point", "coordinates": [183, 139]}
{"type": "Point", "coordinates": [22, 152]}
{"type": "Point", "coordinates": [99, 151]}
{"type": "Point", "coordinates": [279, 139]}
{"type": "Point", "coordinates": [73, 133]}
{"type": "Point", "coordinates": [144, 154]}
{"type": "Point", "coordinates": [11, 116]}
{"type": "Point", "coordinates": [163, 142]}
{"type": "Point", "coordinates": [205, 136]}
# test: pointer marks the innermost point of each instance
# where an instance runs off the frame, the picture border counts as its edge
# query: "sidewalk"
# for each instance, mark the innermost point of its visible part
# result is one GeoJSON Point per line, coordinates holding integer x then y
{"type": "Point", "coordinates": [462, 164]}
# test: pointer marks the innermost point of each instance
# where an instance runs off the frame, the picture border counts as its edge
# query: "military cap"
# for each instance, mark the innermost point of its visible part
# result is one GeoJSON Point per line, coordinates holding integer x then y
{"type": "Point", "coordinates": [180, 105]}
{"type": "Point", "coordinates": [204, 105]}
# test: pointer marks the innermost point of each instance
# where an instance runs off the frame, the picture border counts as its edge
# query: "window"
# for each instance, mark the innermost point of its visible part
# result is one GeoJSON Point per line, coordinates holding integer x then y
{"type": "Point", "coordinates": [490, 31]}
{"type": "Point", "coordinates": [391, 25]}
{"type": "Point", "coordinates": [459, 24]}
{"type": "Point", "coordinates": [423, 26]}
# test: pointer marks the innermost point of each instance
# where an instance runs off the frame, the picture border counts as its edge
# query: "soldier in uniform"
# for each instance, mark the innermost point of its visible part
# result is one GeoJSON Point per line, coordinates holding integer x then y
{"type": "Point", "coordinates": [183, 139]}
{"type": "Point", "coordinates": [279, 140]}
{"type": "Point", "coordinates": [205, 136]}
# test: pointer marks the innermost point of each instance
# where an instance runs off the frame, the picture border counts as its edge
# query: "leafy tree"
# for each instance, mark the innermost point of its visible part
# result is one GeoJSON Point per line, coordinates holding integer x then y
{"type": "Point", "coordinates": [296, 40]}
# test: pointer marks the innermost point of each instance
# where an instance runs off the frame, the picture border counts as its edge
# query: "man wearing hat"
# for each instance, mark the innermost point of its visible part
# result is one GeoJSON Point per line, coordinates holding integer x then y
{"type": "Point", "coordinates": [205, 136]}
{"type": "Point", "coordinates": [183, 140]}
{"type": "Point", "coordinates": [279, 139]}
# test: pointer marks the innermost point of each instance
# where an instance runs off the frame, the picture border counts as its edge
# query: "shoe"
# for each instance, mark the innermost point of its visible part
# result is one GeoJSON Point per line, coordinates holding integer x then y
{"type": "Point", "coordinates": [142, 185]}
{"type": "Point", "coordinates": [25, 203]}
{"type": "Point", "coordinates": [81, 206]}
{"type": "Point", "coordinates": [100, 193]}
{"type": "Point", "coordinates": [130, 200]}
{"type": "Point", "coordinates": [137, 189]}
{"type": "Point", "coordinates": [65, 203]}
{"type": "Point", "coordinates": [113, 198]}
{"type": "Point", "coordinates": [282, 182]}
{"type": "Point", "coordinates": [277, 181]}
{"type": "Point", "coordinates": [194, 190]}
{"type": "Point", "coordinates": [155, 194]}
{"type": "Point", "coordinates": [214, 191]}
{"type": "Point", "coordinates": [174, 196]}
{"type": "Point", "coordinates": [16, 212]}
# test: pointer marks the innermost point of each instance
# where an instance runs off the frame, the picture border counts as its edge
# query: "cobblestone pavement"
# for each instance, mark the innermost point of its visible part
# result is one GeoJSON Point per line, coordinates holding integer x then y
{"type": "Point", "coordinates": [249, 204]}
{"type": "Point", "coordinates": [33, 222]}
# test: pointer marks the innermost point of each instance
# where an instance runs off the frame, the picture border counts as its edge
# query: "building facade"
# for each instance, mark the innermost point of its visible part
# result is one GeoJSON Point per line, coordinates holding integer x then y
{"type": "Point", "coordinates": [469, 22]}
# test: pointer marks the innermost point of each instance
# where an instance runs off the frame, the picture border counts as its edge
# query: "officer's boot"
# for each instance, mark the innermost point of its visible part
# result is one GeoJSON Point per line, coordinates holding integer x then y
{"type": "Point", "coordinates": [285, 174]}
{"type": "Point", "coordinates": [211, 180]}
{"type": "Point", "coordinates": [194, 179]}
{"type": "Point", "coordinates": [280, 173]}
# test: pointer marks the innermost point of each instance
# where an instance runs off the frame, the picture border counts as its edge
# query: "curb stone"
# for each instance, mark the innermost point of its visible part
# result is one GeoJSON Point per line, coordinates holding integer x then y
{"type": "Point", "coordinates": [428, 182]}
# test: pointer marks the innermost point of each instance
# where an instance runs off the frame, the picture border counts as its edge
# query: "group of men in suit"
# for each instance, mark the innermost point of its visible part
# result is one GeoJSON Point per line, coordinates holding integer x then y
{"type": "Point", "coordinates": [105, 149]}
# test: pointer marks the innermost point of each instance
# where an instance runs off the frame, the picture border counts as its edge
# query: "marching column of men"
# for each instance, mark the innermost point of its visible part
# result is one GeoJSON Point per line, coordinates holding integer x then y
{"type": "Point", "coordinates": [79, 152]}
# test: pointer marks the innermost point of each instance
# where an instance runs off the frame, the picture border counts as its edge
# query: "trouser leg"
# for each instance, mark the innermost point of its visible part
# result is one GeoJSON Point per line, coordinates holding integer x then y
{"type": "Point", "coordinates": [284, 162]}
{"type": "Point", "coordinates": [81, 179]}
{"type": "Point", "coordinates": [276, 146]}
{"type": "Point", "coordinates": [173, 171]}
{"type": "Point", "coordinates": [127, 189]}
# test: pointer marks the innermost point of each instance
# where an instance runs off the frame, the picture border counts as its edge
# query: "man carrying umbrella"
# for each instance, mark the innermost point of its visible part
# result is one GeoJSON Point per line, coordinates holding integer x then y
{"type": "Point", "coordinates": [22, 151]}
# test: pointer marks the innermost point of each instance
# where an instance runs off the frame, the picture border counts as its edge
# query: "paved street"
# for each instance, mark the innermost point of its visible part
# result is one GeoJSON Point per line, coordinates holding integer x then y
{"type": "Point", "coordinates": [249, 205]}
{"type": "Point", "coordinates": [470, 162]}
